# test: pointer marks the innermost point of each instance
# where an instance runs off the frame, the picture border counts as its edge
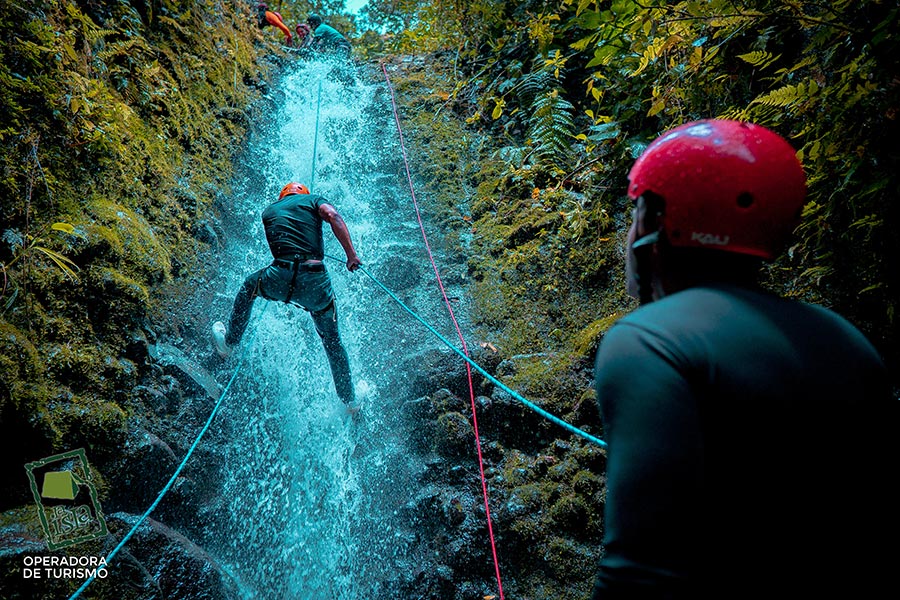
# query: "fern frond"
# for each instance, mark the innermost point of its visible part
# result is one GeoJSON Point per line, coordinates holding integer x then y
{"type": "Point", "coordinates": [128, 48]}
{"type": "Point", "coordinates": [92, 35]}
{"type": "Point", "coordinates": [162, 19]}
{"type": "Point", "coordinates": [759, 58]}
{"type": "Point", "coordinates": [808, 60]}
{"type": "Point", "coordinates": [552, 126]}
{"type": "Point", "coordinates": [531, 85]}
{"type": "Point", "coordinates": [784, 96]}
{"type": "Point", "coordinates": [735, 114]}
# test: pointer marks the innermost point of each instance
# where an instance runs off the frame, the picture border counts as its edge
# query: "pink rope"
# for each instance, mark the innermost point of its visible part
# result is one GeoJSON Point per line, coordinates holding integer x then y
{"type": "Point", "coordinates": [487, 508]}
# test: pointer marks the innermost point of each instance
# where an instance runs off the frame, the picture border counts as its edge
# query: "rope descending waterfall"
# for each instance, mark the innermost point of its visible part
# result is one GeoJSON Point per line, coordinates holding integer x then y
{"type": "Point", "coordinates": [514, 394]}
{"type": "Point", "coordinates": [180, 468]}
{"type": "Point", "coordinates": [464, 353]}
{"type": "Point", "coordinates": [487, 508]}
{"type": "Point", "coordinates": [312, 174]}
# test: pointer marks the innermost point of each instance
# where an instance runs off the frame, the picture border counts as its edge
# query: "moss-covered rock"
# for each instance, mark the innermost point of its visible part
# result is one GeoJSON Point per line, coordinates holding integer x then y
{"type": "Point", "coordinates": [454, 435]}
{"type": "Point", "coordinates": [120, 120]}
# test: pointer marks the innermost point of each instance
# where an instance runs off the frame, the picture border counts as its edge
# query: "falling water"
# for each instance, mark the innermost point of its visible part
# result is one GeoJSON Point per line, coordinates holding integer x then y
{"type": "Point", "coordinates": [312, 500]}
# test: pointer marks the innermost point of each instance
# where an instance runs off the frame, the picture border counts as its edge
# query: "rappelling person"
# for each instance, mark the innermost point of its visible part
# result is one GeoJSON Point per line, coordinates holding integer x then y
{"type": "Point", "coordinates": [327, 39]}
{"type": "Point", "coordinates": [751, 437]}
{"type": "Point", "coordinates": [297, 275]}
{"type": "Point", "coordinates": [265, 17]}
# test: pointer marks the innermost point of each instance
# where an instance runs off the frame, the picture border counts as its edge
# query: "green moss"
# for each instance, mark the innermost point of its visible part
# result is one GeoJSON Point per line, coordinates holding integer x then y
{"type": "Point", "coordinates": [536, 496]}
{"type": "Point", "coordinates": [587, 483]}
{"type": "Point", "coordinates": [516, 468]}
{"type": "Point", "coordinates": [574, 515]}
{"type": "Point", "coordinates": [585, 342]}
{"type": "Point", "coordinates": [92, 423]}
{"type": "Point", "coordinates": [20, 362]}
{"type": "Point", "coordinates": [134, 239]}
{"type": "Point", "coordinates": [116, 283]}
{"type": "Point", "coordinates": [567, 560]}
{"type": "Point", "coordinates": [453, 435]}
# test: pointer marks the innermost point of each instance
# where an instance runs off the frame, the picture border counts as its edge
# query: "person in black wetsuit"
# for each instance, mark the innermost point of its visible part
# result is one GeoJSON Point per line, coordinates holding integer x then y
{"type": "Point", "coordinates": [751, 438]}
{"type": "Point", "coordinates": [293, 226]}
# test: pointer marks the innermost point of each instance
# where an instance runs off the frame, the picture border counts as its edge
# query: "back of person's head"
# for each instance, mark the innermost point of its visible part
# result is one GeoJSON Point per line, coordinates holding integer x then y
{"type": "Point", "coordinates": [293, 188]}
{"type": "Point", "coordinates": [314, 20]}
{"type": "Point", "coordinates": [723, 185]}
{"type": "Point", "coordinates": [262, 6]}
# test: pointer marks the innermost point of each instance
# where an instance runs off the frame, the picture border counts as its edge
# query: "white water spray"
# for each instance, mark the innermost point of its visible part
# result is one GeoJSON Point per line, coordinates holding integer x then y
{"type": "Point", "coordinates": [312, 502]}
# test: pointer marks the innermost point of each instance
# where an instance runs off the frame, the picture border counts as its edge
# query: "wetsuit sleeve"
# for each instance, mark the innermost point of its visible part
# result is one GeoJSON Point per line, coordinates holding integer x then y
{"type": "Point", "coordinates": [654, 467]}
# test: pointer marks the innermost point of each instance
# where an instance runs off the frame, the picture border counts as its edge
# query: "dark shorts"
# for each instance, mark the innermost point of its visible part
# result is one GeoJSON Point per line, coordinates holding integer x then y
{"type": "Point", "coordinates": [311, 290]}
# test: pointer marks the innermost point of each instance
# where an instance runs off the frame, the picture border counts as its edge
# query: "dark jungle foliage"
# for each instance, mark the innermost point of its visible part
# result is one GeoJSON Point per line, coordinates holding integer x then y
{"type": "Point", "coordinates": [574, 90]}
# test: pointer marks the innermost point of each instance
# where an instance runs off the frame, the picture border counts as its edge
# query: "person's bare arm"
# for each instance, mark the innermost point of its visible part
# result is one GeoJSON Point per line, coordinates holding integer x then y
{"type": "Point", "coordinates": [339, 228]}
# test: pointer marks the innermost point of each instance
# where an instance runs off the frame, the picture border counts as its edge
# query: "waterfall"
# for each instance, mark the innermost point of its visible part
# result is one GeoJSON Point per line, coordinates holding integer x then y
{"type": "Point", "coordinates": [311, 500]}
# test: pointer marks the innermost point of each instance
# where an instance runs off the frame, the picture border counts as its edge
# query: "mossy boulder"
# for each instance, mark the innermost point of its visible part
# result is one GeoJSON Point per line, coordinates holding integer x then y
{"type": "Point", "coordinates": [454, 435]}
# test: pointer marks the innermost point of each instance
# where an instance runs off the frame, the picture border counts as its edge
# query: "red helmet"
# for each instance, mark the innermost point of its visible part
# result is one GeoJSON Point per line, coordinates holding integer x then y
{"type": "Point", "coordinates": [293, 188]}
{"type": "Point", "coordinates": [262, 6]}
{"type": "Point", "coordinates": [727, 185]}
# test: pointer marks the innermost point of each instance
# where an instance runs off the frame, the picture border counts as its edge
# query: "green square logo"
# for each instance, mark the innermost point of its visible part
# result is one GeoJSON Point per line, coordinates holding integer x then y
{"type": "Point", "coordinates": [66, 498]}
{"type": "Point", "coordinates": [60, 485]}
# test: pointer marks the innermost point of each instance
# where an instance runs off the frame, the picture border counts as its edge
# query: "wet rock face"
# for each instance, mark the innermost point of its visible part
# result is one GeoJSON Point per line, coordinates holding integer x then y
{"type": "Point", "coordinates": [157, 562]}
{"type": "Point", "coordinates": [546, 500]}
{"type": "Point", "coordinates": [444, 369]}
{"type": "Point", "coordinates": [160, 559]}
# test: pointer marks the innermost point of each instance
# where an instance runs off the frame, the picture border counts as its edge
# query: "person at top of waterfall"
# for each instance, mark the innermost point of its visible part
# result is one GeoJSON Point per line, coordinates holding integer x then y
{"type": "Point", "coordinates": [266, 17]}
{"type": "Point", "coordinates": [297, 275]}
{"type": "Point", "coordinates": [326, 38]}
{"type": "Point", "coordinates": [303, 35]}
{"type": "Point", "coordinates": [751, 438]}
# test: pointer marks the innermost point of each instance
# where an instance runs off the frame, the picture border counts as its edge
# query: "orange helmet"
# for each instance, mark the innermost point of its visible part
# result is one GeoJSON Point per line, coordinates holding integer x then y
{"type": "Point", "coordinates": [293, 188]}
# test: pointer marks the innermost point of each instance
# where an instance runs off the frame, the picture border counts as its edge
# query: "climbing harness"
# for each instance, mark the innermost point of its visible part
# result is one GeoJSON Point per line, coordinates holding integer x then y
{"type": "Point", "coordinates": [180, 468]}
{"type": "Point", "coordinates": [298, 266]}
{"type": "Point", "coordinates": [462, 340]}
{"type": "Point", "coordinates": [290, 293]}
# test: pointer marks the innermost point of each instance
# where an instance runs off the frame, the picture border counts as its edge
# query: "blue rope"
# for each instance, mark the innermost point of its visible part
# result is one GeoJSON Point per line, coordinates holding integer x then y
{"type": "Point", "coordinates": [312, 175]}
{"type": "Point", "coordinates": [476, 366]}
{"type": "Point", "coordinates": [171, 482]}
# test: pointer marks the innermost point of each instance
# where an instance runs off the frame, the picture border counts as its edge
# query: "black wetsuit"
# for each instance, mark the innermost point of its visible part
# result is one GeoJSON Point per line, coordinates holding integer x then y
{"type": "Point", "coordinates": [750, 451]}
{"type": "Point", "coordinates": [294, 232]}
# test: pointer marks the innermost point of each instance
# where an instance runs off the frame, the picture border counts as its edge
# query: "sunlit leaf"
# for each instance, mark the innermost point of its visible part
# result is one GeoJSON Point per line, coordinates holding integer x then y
{"type": "Point", "coordinates": [64, 263]}
{"type": "Point", "coordinates": [66, 227]}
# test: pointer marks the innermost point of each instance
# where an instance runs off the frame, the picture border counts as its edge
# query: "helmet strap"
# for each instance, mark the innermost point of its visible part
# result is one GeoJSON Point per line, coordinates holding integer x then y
{"type": "Point", "coordinates": [647, 240]}
{"type": "Point", "coordinates": [643, 247]}
{"type": "Point", "coordinates": [644, 272]}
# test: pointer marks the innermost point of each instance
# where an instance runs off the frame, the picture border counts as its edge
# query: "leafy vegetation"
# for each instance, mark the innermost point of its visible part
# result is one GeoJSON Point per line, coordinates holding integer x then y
{"type": "Point", "coordinates": [573, 91]}
{"type": "Point", "coordinates": [118, 122]}
{"type": "Point", "coordinates": [527, 119]}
